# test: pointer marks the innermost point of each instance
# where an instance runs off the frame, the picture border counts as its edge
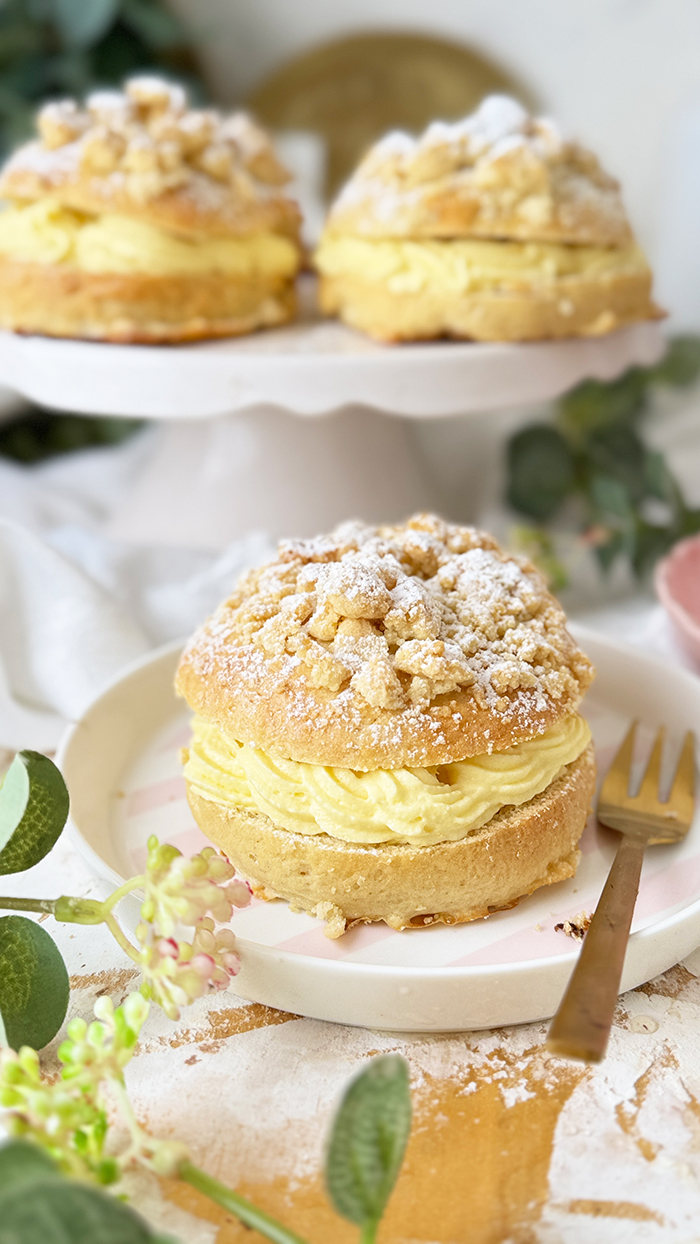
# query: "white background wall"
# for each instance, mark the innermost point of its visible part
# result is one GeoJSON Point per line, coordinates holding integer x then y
{"type": "Point", "coordinates": [623, 75]}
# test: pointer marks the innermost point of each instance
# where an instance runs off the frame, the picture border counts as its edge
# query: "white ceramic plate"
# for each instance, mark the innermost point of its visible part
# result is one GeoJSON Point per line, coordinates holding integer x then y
{"type": "Point", "coordinates": [310, 368]}
{"type": "Point", "coordinates": [122, 766]}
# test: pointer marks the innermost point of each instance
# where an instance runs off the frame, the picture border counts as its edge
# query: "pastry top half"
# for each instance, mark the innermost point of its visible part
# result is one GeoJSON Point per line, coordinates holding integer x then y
{"type": "Point", "coordinates": [498, 174]}
{"type": "Point", "coordinates": [142, 153]}
{"type": "Point", "coordinates": [386, 647]}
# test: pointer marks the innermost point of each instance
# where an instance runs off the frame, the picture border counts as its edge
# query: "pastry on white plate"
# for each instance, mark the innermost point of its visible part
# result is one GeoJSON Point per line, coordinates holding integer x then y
{"type": "Point", "coordinates": [387, 728]}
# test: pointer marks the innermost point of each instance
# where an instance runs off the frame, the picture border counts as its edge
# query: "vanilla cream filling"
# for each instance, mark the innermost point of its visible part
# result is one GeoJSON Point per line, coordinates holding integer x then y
{"type": "Point", "coordinates": [467, 265]}
{"type": "Point", "coordinates": [48, 233]}
{"type": "Point", "coordinates": [419, 806]}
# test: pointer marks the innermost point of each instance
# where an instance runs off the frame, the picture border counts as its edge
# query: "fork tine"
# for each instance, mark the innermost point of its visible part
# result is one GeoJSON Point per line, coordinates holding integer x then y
{"type": "Point", "coordinates": [682, 793]}
{"type": "Point", "coordinates": [615, 788]}
{"type": "Point", "coordinates": [649, 789]}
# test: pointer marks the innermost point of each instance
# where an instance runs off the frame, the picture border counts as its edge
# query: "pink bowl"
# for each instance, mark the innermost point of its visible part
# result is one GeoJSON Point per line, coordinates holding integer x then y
{"type": "Point", "coordinates": [678, 589]}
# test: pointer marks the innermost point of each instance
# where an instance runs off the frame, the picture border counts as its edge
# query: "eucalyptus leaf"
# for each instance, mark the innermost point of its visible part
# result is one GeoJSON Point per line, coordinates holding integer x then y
{"type": "Point", "coordinates": [597, 404]}
{"type": "Point", "coordinates": [368, 1141]}
{"type": "Point", "coordinates": [34, 986]}
{"type": "Point", "coordinates": [621, 487]}
{"type": "Point", "coordinates": [658, 480]}
{"type": "Point", "coordinates": [37, 434]}
{"type": "Point", "coordinates": [651, 542]}
{"type": "Point", "coordinates": [50, 48]}
{"type": "Point", "coordinates": [157, 26]}
{"type": "Point", "coordinates": [62, 1212]}
{"type": "Point", "coordinates": [681, 364]}
{"type": "Point", "coordinates": [540, 471]}
{"type": "Point", "coordinates": [82, 22]}
{"type": "Point", "coordinates": [33, 811]}
{"type": "Point", "coordinates": [689, 523]}
{"type": "Point", "coordinates": [610, 498]}
{"type": "Point", "coordinates": [618, 452]}
{"type": "Point", "coordinates": [118, 55]}
{"type": "Point", "coordinates": [28, 1176]}
{"type": "Point", "coordinates": [22, 1164]}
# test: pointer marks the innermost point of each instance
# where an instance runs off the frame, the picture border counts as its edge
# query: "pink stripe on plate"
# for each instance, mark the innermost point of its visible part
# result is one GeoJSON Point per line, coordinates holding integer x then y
{"type": "Point", "coordinates": [518, 947]}
{"type": "Point", "coordinates": [659, 893]}
{"type": "Point", "coordinates": [678, 883]}
{"type": "Point", "coordinates": [156, 796]}
{"type": "Point", "coordinates": [314, 941]}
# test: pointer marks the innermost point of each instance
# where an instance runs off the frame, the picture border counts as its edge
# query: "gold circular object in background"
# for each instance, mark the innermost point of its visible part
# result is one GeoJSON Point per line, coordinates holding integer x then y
{"type": "Point", "coordinates": [352, 90]}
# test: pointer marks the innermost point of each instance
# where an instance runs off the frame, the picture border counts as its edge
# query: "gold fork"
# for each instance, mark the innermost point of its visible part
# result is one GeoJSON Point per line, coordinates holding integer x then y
{"type": "Point", "coordinates": [581, 1026]}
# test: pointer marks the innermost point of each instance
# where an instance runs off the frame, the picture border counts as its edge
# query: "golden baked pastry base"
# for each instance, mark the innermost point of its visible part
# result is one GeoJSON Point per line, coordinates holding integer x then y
{"type": "Point", "coordinates": [406, 886]}
{"type": "Point", "coordinates": [60, 301]}
{"type": "Point", "coordinates": [569, 307]}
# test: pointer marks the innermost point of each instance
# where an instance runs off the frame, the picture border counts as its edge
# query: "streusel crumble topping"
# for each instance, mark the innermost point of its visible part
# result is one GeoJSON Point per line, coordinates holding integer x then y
{"type": "Point", "coordinates": [515, 170]}
{"type": "Point", "coordinates": [400, 616]}
{"type": "Point", "coordinates": [146, 141]}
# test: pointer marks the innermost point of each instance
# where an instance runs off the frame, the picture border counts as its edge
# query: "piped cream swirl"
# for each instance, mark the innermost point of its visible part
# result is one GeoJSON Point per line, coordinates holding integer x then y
{"type": "Point", "coordinates": [468, 265]}
{"type": "Point", "coordinates": [46, 232]}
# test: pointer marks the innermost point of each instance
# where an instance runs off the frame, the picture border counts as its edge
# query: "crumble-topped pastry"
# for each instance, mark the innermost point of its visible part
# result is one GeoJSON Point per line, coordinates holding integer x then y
{"type": "Point", "coordinates": [386, 722]}
{"type": "Point", "coordinates": [423, 642]}
{"type": "Point", "coordinates": [138, 218]}
{"type": "Point", "coordinates": [493, 227]}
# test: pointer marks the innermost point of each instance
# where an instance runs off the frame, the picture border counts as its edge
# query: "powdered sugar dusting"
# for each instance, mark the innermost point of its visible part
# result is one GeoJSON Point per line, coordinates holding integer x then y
{"type": "Point", "coordinates": [398, 619]}
{"type": "Point", "coordinates": [496, 173]}
{"type": "Point", "coordinates": [145, 143]}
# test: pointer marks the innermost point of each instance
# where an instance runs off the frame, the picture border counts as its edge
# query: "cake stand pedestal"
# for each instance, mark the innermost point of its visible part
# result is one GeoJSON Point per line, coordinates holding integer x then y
{"type": "Point", "coordinates": [239, 450]}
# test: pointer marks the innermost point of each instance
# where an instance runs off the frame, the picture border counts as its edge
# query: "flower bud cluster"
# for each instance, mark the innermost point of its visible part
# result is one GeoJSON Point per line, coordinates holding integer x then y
{"type": "Point", "coordinates": [68, 1117]}
{"type": "Point", "coordinates": [181, 891]}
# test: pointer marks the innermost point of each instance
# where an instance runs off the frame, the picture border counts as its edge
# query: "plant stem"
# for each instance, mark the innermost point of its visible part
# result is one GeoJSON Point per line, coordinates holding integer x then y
{"type": "Point", "coordinates": [121, 938]}
{"type": "Point", "coordinates": [28, 904]}
{"type": "Point", "coordinates": [134, 883]}
{"type": "Point", "coordinates": [66, 909]}
{"type": "Point", "coordinates": [369, 1233]}
{"type": "Point", "coordinates": [244, 1210]}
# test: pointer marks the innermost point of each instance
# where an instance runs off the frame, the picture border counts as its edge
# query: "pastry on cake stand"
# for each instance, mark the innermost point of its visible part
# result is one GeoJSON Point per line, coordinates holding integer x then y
{"type": "Point", "coordinates": [238, 448]}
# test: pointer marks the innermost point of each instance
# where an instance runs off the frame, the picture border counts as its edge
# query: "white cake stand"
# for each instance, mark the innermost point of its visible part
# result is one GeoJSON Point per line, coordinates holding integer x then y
{"type": "Point", "coordinates": [312, 368]}
{"type": "Point", "coordinates": [229, 457]}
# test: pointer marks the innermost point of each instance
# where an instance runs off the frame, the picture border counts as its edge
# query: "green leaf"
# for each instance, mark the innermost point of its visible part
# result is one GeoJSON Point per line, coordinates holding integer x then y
{"type": "Point", "coordinates": [658, 480]}
{"type": "Point", "coordinates": [651, 542]}
{"type": "Point", "coordinates": [59, 1211]}
{"type": "Point", "coordinates": [681, 364]}
{"type": "Point", "coordinates": [120, 54]}
{"type": "Point", "coordinates": [71, 71]}
{"type": "Point", "coordinates": [540, 471]}
{"type": "Point", "coordinates": [33, 810]}
{"type": "Point", "coordinates": [597, 404]}
{"type": "Point", "coordinates": [39, 434]}
{"type": "Point", "coordinates": [610, 498]}
{"type": "Point", "coordinates": [82, 22]}
{"type": "Point", "coordinates": [619, 453]}
{"type": "Point", "coordinates": [689, 523]}
{"type": "Point", "coordinates": [155, 25]}
{"type": "Point", "coordinates": [34, 986]}
{"type": "Point", "coordinates": [368, 1140]}
{"type": "Point", "coordinates": [22, 1164]}
{"type": "Point", "coordinates": [26, 1171]}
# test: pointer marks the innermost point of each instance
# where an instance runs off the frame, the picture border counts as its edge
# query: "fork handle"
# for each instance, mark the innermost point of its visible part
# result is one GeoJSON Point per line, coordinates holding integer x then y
{"type": "Point", "coordinates": [581, 1026]}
